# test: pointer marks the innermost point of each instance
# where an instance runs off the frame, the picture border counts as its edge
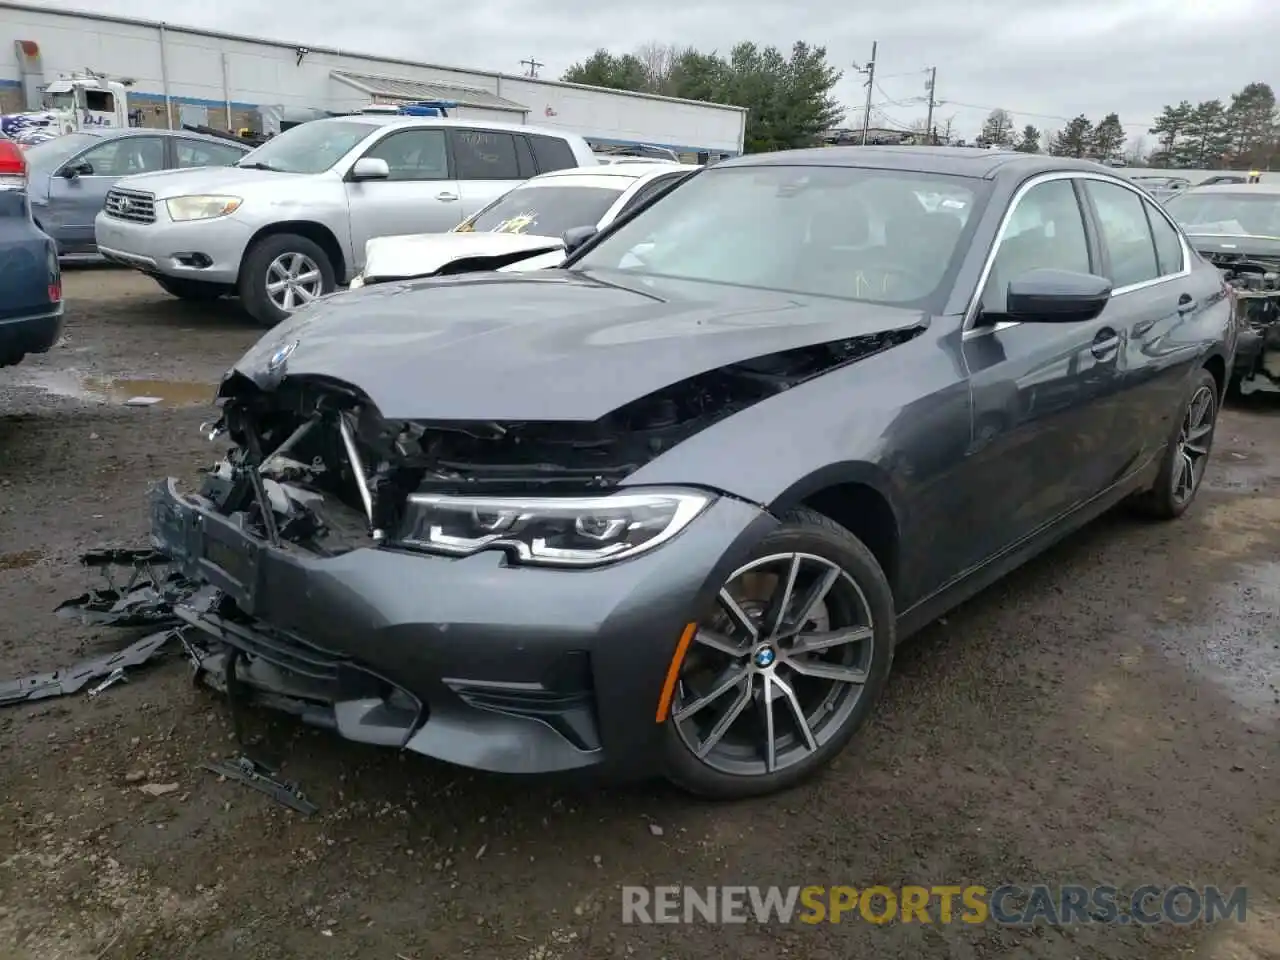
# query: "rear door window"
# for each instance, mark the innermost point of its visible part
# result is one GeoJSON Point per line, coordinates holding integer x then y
{"type": "Point", "coordinates": [1168, 243]}
{"type": "Point", "coordinates": [1125, 231]}
{"type": "Point", "coordinates": [485, 155]}
{"type": "Point", "coordinates": [198, 153]}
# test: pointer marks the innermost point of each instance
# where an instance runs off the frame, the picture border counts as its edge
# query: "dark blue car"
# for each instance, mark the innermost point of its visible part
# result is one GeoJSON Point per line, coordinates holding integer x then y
{"type": "Point", "coordinates": [30, 281]}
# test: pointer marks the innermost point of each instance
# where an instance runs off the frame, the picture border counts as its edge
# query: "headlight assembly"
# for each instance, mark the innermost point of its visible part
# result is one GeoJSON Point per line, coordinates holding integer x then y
{"type": "Point", "coordinates": [551, 531]}
{"type": "Point", "coordinates": [201, 207]}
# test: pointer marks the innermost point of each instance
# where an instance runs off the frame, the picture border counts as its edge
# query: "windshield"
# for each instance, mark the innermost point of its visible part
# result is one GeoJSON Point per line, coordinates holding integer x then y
{"type": "Point", "coordinates": [309, 147]}
{"type": "Point", "coordinates": [52, 152]}
{"type": "Point", "coordinates": [65, 100]}
{"type": "Point", "coordinates": [1227, 214]}
{"type": "Point", "coordinates": [845, 232]}
{"type": "Point", "coordinates": [545, 211]}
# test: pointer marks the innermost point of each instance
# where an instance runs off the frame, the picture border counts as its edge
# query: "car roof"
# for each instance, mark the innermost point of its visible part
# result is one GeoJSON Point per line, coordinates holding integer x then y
{"type": "Point", "coordinates": [955, 161]}
{"type": "Point", "coordinates": [1269, 188]}
{"type": "Point", "coordinates": [115, 133]}
{"type": "Point", "coordinates": [397, 120]}
{"type": "Point", "coordinates": [617, 171]}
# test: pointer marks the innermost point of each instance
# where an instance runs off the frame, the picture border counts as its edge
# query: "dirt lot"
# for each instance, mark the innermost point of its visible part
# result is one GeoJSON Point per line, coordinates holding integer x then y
{"type": "Point", "coordinates": [1107, 715]}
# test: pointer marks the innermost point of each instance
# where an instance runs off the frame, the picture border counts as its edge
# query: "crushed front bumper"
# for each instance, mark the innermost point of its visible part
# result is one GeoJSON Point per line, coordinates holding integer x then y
{"type": "Point", "coordinates": [471, 661]}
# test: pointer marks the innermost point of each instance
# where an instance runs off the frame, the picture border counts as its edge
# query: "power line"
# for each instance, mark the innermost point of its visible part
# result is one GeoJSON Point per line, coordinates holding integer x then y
{"type": "Point", "coordinates": [1032, 113]}
{"type": "Point", "coordinates": [889, 97]}
{"type": "Point", "coordinates": [533, 66]}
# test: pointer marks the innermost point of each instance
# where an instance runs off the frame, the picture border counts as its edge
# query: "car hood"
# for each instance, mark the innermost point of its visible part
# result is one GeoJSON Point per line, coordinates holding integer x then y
{"type": "Point", "coordinates": [183, 183]}
{"type": "Point", "coordinates": [1235, 245]}
{"type": "Point", "coordinates": [549, 345]}
{"type": "Point", "coordinates": [422, 254]}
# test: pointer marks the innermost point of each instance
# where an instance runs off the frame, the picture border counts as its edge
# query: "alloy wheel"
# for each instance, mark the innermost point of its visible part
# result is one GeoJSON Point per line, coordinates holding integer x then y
{"type": "Point", "coordinates": [776, 671]}
{"type": "Point", "coordinates": [292, 280]}
{"type": "Point", "coordinates": [1194, 438]}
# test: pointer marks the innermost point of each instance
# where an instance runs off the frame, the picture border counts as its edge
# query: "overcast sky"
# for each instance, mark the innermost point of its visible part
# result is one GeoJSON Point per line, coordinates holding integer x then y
{"type": "Point", "coordinates": [1043, 60]}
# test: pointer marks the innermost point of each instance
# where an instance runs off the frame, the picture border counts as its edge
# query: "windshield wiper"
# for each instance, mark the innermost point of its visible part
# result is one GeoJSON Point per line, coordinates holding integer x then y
{"type": "Point", "coordinates": [259, 165]}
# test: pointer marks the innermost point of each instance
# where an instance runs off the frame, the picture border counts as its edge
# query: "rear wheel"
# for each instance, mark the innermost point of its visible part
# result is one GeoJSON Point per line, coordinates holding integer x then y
{"type": "Point", "coordinates": [198, 291]}
{"type": "Point", "coordinates": [788, 666]}
{"type": "Point", "coordinates": [281, 273]}
{"type": "Point", "coordinates": [1187, 456]}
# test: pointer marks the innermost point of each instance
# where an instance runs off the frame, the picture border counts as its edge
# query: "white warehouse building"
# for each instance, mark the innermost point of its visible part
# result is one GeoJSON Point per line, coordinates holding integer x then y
{"type": "Point", "coordinates": [178, 75]}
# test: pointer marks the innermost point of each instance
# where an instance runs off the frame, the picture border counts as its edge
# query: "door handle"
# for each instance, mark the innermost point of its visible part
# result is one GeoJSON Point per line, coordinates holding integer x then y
{"type": "Point", "coordinates": [446, 197]}
{"type": "Point", "coordinates": [1142, 326]}
{"type": "Point", "coordinates": [1186, 304]}
{"type": "Point", "coordinates": [1105, 343]}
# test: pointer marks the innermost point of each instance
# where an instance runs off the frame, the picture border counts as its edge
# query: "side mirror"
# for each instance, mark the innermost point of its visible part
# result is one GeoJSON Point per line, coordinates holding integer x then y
{"type": "Point", "coordinates": [1056, 296]}
{"type": "Point", "coordinates": [575, 237]}
{"type": "Point", "coordinates": [82, 169]}
{"type": "Point", "coordinates": [370, 168]}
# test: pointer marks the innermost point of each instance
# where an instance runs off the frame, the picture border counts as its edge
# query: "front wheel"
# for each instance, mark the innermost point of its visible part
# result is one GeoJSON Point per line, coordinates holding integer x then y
{"type": "Point", "coordinates": [780, 676]}
{"type": "Point", "coordinates": [1187, 456]}
{"type": "Point", "coordinates": [281, 273]}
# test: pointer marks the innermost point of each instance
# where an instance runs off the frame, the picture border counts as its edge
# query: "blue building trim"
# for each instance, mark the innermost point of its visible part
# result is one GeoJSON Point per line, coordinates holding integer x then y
{"type": "Point", "coordinates": [144, 95]}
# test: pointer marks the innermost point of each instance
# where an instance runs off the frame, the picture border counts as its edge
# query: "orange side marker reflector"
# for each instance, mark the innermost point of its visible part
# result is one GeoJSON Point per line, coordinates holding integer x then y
{"type": "Point", "coordinates": [673, 672]}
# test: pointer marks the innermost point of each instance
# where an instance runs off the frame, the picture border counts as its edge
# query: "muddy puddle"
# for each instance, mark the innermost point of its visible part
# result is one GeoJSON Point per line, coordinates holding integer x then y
{"type": "Point", "coordinates": [20, 560]}
{"type": "Point", "coordinates": [120, 391]}
{"type": "Point", "coordinates": [1235, 643]}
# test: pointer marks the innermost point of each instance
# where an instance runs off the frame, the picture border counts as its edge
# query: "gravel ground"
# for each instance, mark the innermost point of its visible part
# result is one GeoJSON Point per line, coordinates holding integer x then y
{"type": "Point", "coordinates": [1106, 715]}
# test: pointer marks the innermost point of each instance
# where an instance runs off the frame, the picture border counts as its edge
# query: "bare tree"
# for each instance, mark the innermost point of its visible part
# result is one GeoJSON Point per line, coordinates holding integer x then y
{"type": "Point", "coordinates": [920, 131]}
{"type": "Point", "coordinates": [658, 60]}
{"type": "Point", "coordinates": [1135, 154]}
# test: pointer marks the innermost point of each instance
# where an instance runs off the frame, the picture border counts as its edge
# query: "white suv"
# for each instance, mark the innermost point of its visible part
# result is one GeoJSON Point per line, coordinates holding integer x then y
{"type": "Point", "coordinates": [290, 221]}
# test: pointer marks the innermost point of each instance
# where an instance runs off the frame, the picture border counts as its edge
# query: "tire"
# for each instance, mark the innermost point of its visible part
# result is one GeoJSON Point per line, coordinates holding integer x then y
{"type": "Point", "coordinates": [277, 250]}
{"type": "Point", "coordinates": [861, 594]}
{"type": "Point", "coordinates": [1164, 501]}
{"type": "Point", "coordinates": [195, 291]}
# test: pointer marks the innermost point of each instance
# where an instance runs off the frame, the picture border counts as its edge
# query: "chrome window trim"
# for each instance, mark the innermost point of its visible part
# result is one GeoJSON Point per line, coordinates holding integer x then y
{"type": "Point", "coordinates": [971, 311]}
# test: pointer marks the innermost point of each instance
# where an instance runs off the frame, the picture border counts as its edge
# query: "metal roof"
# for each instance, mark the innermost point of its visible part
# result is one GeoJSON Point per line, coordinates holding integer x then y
{"type": "Point", "coordinates": [1268, 188]}
{"type": "Point", "coordinates": [398, 88]}
{"type": "Point", "coordinates": [961, 161]}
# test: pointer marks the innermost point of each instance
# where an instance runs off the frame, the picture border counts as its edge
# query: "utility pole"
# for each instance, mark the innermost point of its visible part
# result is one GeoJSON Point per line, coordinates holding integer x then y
{"type": "Point", "coordinates": [928, 124]}
{"type": "Point", "coordinates": [533, 66]}
{"type": "Point", "coordinates": [870, 71]}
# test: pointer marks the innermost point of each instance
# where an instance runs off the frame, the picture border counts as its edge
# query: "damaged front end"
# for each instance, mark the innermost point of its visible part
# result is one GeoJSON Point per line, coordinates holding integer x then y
{"type": "Point", "coordinates": [347, 568]}
{"type": "Point", "coordinates": [1255, 288]}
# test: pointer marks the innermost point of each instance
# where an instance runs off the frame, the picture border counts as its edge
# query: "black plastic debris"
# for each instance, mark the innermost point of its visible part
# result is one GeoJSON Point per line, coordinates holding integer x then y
{"type": "Point", "coordinates": [258, 776]}
{"type": "Point", "coordinates": [60, 683]}
{"type": "Point", "coordinates": [144, 599]}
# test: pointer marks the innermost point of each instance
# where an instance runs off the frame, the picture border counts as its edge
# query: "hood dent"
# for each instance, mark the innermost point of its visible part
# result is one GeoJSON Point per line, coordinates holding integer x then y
{"type": "Point", "coordinates": [461, 455]}
{"type": "Point", "coordinates": [550, 346]}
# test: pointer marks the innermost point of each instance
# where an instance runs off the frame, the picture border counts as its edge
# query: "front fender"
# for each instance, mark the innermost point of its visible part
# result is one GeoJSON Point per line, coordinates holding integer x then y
{"type": "Point", "coordinates": [899, 422]}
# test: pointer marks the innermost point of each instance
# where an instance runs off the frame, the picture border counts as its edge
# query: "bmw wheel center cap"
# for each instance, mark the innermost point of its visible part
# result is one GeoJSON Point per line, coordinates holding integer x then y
{"type": "Point", "coordinates": [764, 657]}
